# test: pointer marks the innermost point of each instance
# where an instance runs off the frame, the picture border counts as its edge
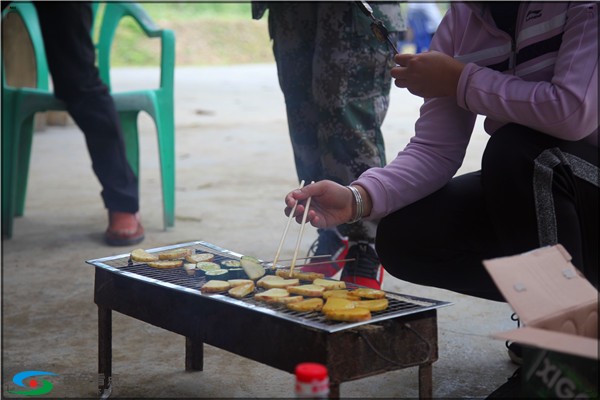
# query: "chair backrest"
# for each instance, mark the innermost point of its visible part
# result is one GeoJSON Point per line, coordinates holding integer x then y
{"type": "Point", "coordinates": [106, 19]}
{"type": "Point", "coordinates": [28, 15]}
{"type": "Point", "coordinates": [111, 15]}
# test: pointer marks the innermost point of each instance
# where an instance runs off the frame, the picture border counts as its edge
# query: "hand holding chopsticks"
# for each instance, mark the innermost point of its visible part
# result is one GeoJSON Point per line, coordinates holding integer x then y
{"type": "Point", "coordinates": [331, 204]}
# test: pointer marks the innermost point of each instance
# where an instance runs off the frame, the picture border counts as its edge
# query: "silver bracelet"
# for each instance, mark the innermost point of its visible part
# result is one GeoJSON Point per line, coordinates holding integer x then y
{"type": "Point", "coordinates": [359, 205]}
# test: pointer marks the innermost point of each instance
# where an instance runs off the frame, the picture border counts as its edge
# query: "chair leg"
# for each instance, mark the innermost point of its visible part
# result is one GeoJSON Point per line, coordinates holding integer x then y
{"type": "Point", "coordinates": [24, 158]}
{"type": "Point", "coordinates": [8, 161]}
{"type": "Point", "coordinates": [131, 138]}
{"type": "Point", "coordinates": [165, 128]}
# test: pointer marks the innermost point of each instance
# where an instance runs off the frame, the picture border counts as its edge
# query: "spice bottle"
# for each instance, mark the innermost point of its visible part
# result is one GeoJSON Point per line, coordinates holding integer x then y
{"type": "Point", "coordinates": [312, 381]}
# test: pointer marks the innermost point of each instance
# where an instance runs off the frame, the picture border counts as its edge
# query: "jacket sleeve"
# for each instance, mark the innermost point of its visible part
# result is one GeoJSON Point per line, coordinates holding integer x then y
{"type": "Point", "coordinates": [566, 106]}
{"type": "Point", "coordinates": [433, 154]}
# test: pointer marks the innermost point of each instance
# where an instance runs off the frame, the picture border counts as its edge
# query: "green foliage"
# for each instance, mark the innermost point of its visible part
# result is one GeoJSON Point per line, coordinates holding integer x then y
{"type": "Point", "coordinates": [206, 33]}
{"type": "Point", "coordinates": [198, 10]}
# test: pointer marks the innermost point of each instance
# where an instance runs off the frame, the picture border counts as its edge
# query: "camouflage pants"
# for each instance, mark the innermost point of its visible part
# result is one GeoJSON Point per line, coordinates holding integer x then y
{"type": "Point", "coordinates": [335, 77]}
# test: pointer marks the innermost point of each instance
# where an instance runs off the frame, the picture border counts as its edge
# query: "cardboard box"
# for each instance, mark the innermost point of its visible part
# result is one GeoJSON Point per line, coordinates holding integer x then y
{"type": "Point", "coordinates": [558, 309]}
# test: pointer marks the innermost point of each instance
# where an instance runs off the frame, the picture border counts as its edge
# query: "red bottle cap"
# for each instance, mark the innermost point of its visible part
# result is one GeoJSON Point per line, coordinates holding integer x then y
{"type": "Point", "coordinates": [309, 372]}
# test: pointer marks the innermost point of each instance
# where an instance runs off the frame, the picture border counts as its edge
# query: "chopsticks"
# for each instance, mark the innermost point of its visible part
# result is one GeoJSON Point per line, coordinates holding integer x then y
{"type": "Point", "coordinates": [302, 225]}
{"type": "Point", "coordinates": [319, 263]}
{"type": "Point", "coordinates": [285, 231]}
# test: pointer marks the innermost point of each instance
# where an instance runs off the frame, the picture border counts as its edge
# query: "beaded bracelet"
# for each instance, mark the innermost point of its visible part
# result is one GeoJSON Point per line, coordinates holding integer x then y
{"type": "Point", "coordinates": [359, 205]}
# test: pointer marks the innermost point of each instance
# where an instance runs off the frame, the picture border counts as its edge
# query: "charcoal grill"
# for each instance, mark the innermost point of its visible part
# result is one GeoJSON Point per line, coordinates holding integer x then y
{"type": "Point", "coordinates": [402, 336]}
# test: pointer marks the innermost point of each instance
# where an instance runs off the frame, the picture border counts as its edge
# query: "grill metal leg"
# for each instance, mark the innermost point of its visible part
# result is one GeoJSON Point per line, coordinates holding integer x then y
{"type": "Point", "coordinates": [425, 381]}
{"type": "Point", "coordinates": [194, 355]}
{"type": "Point", "coordinates": [104, 352]}
{"type": "Point", "coordinates": [334, 390]}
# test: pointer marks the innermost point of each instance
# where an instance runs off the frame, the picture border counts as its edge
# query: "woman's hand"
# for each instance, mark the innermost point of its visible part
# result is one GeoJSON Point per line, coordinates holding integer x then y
{"type": "Point", "coordinates": [429, 74]}
{"type": "Point", "coordinates": [331, 204]}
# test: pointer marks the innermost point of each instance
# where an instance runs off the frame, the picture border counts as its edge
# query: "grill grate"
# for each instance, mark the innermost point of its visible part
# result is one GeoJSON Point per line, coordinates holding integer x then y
{"type": "Point", "coordinates": [178, 279]}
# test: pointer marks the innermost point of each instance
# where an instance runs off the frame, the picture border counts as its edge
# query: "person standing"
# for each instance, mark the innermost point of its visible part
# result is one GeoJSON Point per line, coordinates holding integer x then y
{"type": "Point", "coordinates": [66, 30]}
{"type": "Point", "coordinates": [334, 75]}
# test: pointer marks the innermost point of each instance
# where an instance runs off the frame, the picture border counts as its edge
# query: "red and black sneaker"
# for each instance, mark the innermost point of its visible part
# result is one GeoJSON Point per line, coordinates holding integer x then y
{"type": "Point", "coordinates": [365, 270]}
{"type": "Point", "coordinates": [330, 242]}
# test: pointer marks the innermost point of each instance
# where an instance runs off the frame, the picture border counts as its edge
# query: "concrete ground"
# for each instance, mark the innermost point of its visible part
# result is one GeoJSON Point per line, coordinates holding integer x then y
{"type": "Point", "coordinates": [234, 166]}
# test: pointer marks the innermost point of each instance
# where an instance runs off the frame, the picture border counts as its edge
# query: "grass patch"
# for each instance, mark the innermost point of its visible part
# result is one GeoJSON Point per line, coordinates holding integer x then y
{"type": "Point", "coordinates": [205, 34]}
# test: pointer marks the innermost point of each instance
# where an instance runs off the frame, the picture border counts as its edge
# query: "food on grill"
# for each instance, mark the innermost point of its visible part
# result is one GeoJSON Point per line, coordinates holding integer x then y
{"type": "Point", "coordinates": [337, 303]}
{"type": "Point", "coordinates": [200, 257]}
{"type": "Point", "coordinates": [266, 278]}
{"type": "Point", "coordinates": [343, 293]}
{"type": "Point", "coordinates": [303, 276]}
{"type": "Point", "coordinates": [280, 283]}
{"type": "Point", "coordinates": [309, 290]}
{"type": "Point", "coordinates": [231, 264]}
{"type": "Point", "coordinates": [252, 267]}
{"type": "Point", "coordinates": [287, 299]}
{"type": "Point", "coordinates": [164, 264]}
{"type": "Point", "coordinates": [190, 268]}
{"type": "Point", "coordinates": [215, 287]}
{"type": "Point", "coordinates": [368, 293]}
{"type": "Point", "coordinates": [141, 255]}
{"type": "Point", "coordinates": [271, 295]}
{"type": "Point", "coordinates": [218, 274]}
{"type": "Point", "coordinates": [308, 305]}
{"type": "Point", "coordinates": [352, 315]}
{"type": "Point", "coordinates": [373, 305]}
{"type": "Point", "coordinates": [330, 283]}
{"type": "Point", "coordinates": [242, 290]}
{"type": "Point", "coordinates": [237, 282]}
{"type": "Point", "coordinates": [205, 266]}
{"type": "Point", "coordinates": [174, 254]}
{"type": "Point", "coordinates": [237, 273]}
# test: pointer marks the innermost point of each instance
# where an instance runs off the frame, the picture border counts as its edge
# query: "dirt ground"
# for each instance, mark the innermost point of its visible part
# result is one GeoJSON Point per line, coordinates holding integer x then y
{"type": "Point", "coordinates": [234, 166]}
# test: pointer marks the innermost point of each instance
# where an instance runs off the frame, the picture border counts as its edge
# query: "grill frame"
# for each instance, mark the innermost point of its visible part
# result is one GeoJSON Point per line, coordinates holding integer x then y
{"type": "Point", "coordinates": [400, 305]}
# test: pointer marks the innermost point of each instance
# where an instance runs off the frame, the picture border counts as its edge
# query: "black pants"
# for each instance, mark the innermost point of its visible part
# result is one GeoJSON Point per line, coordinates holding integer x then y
{"type": "Point", "coordinates": [533, 190]}
{"type": "Point", "coordinates": [71, 59]}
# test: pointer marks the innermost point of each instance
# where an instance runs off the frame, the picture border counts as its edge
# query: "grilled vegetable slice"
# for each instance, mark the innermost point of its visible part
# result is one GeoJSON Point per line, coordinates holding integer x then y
{"type": "Point", "coordinates": [271, 295]}
{"type": "Point", "coordinates": [279, 283]}
{"type": "Point", "coordinates": [231, 264]}
{"type": "Point", "coordinates": [207, 266]}
{"type": "Point", "coordinates": [303, 276]}
{"type": "Point", "coordinates": [215, 287]}
{"type": "Point", "coordinates": [373, 305]}
{"type": "Point", "coordinates": [309, 290]}
{"type": "Point", "coordinates": [174, 254]}
{"type": "Point", "coordinates": [368, 293]}
{"type": "Point", "coordinates": [237, 273]}
{"type": "Point", "coordinates": [330, 283]}
{"type": "Point", "coordinates": [190, 268]}
{"type": "Point", "coordinates": [218, 274]}
{"type": "Point", "coordinates": [262, 281]}
{"type": "Point", "coordinates": [164, 264]}
{"type": "Point", "coordinates": [242, 290]}
{"type": "Point", "coordinates": [238, 282]}
{"type": "Point", "coordinates": [353, 315]}
{"type": "Point", "coordinates": [252, 267]}
{"type": "Point", "coordinates": [287, 299]}
{"type": "Point", "coordinates": [308, 305]}
{"type": "Point", "coordinates": [337, 303]}
{"type": "Point", "coordinates": [343, 293]}
{"type": "Point", "coordinates": [141, 255]}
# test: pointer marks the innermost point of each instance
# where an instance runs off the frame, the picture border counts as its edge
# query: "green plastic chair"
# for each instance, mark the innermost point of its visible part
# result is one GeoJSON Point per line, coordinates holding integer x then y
{"type": "Point", "coordinates": [19, 105]}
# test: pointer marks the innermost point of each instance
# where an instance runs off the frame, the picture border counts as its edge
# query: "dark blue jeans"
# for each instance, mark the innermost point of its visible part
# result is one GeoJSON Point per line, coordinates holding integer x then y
{"type": "Point", "coordinates": [533, 190]}
{"type": "Point", "coordinates": [71, 59]}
